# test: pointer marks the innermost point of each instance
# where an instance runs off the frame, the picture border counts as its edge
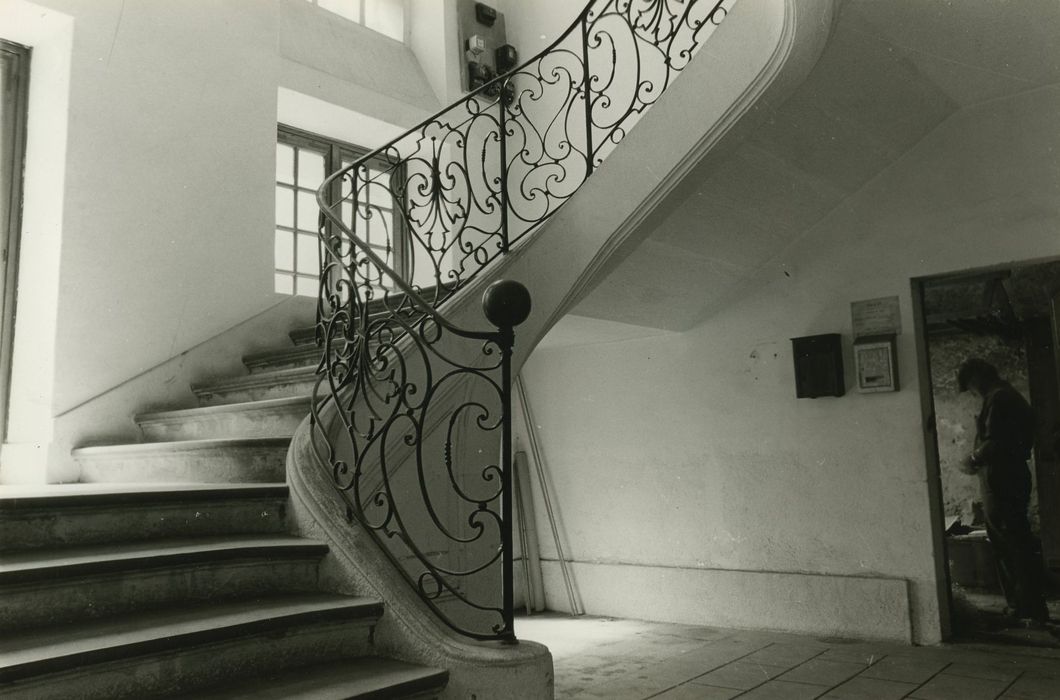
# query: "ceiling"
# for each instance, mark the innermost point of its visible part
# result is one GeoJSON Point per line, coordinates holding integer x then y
{"type": "Point", "coordinates": [891, 72]}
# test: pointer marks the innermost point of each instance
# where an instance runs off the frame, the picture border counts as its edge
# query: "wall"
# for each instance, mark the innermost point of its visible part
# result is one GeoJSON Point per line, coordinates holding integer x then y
{"type": "Point", "coordinates": [692, 485]}
{"type": "Point", "coordinates": [167, 205]}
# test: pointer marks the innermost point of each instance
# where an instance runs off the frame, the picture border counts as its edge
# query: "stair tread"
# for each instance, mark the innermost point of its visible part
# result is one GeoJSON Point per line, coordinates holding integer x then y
{"type": "Point", "coordinates": [101, 558]}
{"type": "Point", "coordinates": [297, 352]}
{"type": "Point", "coordinates": [366, 677]}
{"type": "Point", "coordinates": [51, 649]}
{"type": "Point", "coordinates": [303, 336]}
{"type": "Point", "coordinates": [256, 380]}
{"type": "Point", "coordinates": [104, 494]}
{"type": "Point", "coordinates": [262, 405]}
{"type": "Point", "coordinates": [183, 445]}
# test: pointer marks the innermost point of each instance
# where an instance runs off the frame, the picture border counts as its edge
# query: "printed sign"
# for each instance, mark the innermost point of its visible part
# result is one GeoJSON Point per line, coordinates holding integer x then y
{"type": "Point", "coordinates": [876, 317]}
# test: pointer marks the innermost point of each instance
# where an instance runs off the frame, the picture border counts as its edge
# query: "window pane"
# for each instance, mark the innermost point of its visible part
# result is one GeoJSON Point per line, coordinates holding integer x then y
{"type": "Point", "coordinates": [350, 9]}
{"type": "Point", "coordinates": [347, 214]}
{"type": "Point", "coordinates": [284, 163]}
{"type": "Point", "coordinates": [378, 228]}
{"type": "Point", "coordinates": [284, 207]}
{"type": "Point", "coordinates": [307, 287]}
{"type": "Point", "coordinates": [284, 284]}
{"type": "Point", "coordinates": [307, 211]}
{"type": "Point", "coordinates": [284, 250]}
{"type": "Point", "coordinates": [380, 190]}
{"type": "Point", "coordinates": [310, 169]}
{"type": "Point", "coordinates": [308, 258]}
{"type": "Point", "coordinates": [386, 17]}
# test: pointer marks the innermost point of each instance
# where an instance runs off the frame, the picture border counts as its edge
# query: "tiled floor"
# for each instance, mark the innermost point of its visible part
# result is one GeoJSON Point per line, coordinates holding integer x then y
{"type": "Point", "coordinates": [630, 660]}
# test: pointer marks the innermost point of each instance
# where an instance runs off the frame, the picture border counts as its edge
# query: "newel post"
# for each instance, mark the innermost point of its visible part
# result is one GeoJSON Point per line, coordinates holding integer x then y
{"type": "Point", "coordinates": [506, 304]}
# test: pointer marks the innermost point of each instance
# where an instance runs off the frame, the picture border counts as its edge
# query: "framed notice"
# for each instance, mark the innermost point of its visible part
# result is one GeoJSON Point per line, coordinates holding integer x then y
{"type": "Point", "coordinates": [874, 317]}
{"type": "Point", "coordinates": [876, 364]}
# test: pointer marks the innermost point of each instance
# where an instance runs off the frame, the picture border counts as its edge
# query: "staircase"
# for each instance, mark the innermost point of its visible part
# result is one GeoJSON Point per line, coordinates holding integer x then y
{"type": "Point", "coordinates": [175, 573]}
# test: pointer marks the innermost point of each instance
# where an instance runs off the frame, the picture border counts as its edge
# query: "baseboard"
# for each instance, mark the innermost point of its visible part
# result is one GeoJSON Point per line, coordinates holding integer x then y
{"type": "Point", "coordinates": [860, 607]}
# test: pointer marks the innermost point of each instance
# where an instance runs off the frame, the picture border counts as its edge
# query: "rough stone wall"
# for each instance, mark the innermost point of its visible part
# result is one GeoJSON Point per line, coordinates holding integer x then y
{"type": "Point", "coordinates": [955, 413]}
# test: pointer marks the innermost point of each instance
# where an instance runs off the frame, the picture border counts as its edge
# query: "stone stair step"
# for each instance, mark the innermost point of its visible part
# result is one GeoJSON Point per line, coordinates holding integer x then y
{"type": "Point", "coordinates": [358, 679]}
{"type": "Point", "coordinates": [83, 514]}
{"type": "Point", "coordinates": [307, 335]}
{"type": "Point", "coordinates": [269, 418]}
{"type": "Point", "coordinates": [304, 356]}
{"type": "Point", "coordinates": [275, 384]}
{"type": "Point", "coordinates": [226, 460]}
{"type": "Point", "coordinates": [52, 586]}
{"type": "Point", "coordinates": [304, 336]}
{"type": "Point", "coordinates": [183, 648]}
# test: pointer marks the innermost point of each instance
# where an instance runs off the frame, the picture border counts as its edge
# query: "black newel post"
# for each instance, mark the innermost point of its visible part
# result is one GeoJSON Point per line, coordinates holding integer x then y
{"type": "Point", "coordinates": [506, 304]}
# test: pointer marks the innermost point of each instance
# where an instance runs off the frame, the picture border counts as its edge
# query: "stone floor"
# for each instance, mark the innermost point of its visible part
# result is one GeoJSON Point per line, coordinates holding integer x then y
{"type": "Point", "coordinates": [629, 660]}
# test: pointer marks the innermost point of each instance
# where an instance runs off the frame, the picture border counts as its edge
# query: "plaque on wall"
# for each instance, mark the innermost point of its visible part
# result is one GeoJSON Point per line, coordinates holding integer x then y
{"type": "Point", "coordinates": [873, 317]}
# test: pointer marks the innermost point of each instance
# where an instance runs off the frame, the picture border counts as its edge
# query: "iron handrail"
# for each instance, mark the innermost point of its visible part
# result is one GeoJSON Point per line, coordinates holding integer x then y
{"type": "Point", "coordinates": [465, 184]}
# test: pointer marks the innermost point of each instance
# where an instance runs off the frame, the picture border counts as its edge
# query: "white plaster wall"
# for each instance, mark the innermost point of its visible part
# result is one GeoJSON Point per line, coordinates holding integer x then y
{"type": "Point", "coordinates": [167, 204]}
{"type": "Point", "coordinates": [691, 451]}
{"type": "Point", "coordinates": [532, 25]}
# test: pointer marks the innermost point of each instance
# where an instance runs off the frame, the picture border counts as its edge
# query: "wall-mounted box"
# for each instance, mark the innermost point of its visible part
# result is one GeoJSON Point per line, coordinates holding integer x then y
{"type": "Point", "coordinates": [876, 363]}
{"type": "Point", "coordinates": [818, 365]}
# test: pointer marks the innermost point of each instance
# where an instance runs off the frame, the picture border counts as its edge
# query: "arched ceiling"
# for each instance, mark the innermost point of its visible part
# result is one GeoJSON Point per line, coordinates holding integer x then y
{"type": "Point", "coordinates": [892, 71]}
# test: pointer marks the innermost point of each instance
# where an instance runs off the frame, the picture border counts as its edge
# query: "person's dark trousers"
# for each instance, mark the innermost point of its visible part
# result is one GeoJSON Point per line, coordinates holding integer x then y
{"type": "Point", "coordinates": [1017, 552]}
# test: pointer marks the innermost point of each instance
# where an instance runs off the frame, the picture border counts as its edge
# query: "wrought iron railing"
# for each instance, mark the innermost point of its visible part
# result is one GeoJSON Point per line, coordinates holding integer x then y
{"type": "Point", "coordinates": [412, 413]}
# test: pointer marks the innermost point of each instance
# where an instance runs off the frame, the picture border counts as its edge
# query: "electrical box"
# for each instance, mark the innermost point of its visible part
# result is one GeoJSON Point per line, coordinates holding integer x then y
{"type": "Point", "coordinates": [818, 366]}
{"type": "Point", "coordinates": [506, 58]}
{"type": "Point", "coordinates": [484, 14]}
{"type": "Point", "coordinates": [484, 47]}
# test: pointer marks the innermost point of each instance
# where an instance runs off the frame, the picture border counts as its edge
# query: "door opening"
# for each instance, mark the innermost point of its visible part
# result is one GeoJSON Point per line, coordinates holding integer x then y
{"type": "Point", "coordinates": [1006, 316]}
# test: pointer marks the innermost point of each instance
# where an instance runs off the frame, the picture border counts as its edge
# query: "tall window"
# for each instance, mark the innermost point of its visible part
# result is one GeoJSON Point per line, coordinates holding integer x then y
{"type": "Point", "coordinates": [383, 16]}
{"type": "Point", "coordinates": [14, 98]}
{"type": "Point", "coordinates": [303, 161]}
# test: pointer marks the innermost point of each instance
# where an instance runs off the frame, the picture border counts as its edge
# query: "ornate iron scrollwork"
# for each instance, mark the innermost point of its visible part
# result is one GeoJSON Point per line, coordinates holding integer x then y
{"type": "Point", "coordinates": [412, 414]}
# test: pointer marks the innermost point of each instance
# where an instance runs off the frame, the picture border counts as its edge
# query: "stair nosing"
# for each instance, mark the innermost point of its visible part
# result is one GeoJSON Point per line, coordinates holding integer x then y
{"type": "Point", "coordinates": [152, 638]}
{"type": "Point", "coordinates": [259, 358]}
{"type": "Point", "coordinates": [253, 380]}
{"type": "Point", "coordinates": [426, 678]}
{"type": "Point", "coordinates": [175, 493]}
{"type": "Point", "coordinates": [139, 556]}
{"type": "Point", "coordinates": [238, 407]}
{"type": "Point", "coordinates": [177, 446]}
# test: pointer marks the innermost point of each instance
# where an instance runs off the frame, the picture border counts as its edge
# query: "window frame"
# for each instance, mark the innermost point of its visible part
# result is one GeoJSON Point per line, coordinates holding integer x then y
{"type": "Point", "coordinates": [335, 151]}
{"type": "Point", "coordinates": [362, 14]}
{"type": "Point", "coordinates": [13, 225]}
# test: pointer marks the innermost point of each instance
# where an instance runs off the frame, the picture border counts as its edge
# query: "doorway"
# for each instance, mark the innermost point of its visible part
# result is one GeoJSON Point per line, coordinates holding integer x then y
{"type": "Point", "coordinates": [1007, 316]}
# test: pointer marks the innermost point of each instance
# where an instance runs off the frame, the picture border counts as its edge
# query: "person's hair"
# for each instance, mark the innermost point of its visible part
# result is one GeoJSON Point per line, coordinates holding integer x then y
{"type": "Point", "coordinates": [976, 369]}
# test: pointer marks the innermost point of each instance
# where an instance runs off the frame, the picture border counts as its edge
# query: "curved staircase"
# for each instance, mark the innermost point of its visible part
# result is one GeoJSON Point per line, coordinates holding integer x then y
{"type": "Point", "coordinates": [174, 574]}
{"type": "Point", "coordinates": [138, 586]}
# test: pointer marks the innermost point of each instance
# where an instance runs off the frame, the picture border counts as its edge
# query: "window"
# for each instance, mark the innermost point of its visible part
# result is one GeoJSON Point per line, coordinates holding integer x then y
{"type": "Point", "coordinates": [14, 99]}
{"type": "Point", "coordinates": [383, 16]}
{"type": "Point", "coordinates": [303, 161]}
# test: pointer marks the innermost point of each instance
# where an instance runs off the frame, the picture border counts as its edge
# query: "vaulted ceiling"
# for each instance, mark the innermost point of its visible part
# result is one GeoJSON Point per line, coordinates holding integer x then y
{"type": "Point", "coordinates": [892, 71]}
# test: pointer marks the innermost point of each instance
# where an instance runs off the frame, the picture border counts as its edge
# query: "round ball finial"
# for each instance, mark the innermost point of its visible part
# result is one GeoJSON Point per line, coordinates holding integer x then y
{"type": "Point", "coordinates": [506, 303]}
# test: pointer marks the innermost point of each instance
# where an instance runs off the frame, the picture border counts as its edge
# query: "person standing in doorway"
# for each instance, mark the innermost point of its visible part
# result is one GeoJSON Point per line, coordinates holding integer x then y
{"type": "Point", "coordinates": [1004, 437]}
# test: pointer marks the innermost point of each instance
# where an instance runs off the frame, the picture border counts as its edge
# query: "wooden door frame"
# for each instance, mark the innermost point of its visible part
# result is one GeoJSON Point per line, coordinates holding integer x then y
{"type": "Point", "coordinates": [944, 588]}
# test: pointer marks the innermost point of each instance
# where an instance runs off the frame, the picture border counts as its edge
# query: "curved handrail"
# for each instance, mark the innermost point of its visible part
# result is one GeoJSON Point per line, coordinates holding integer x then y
{"type": "Point", "coordinates": [330, 182]}
{"type": "Point", "coordinates": [404, 406]}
